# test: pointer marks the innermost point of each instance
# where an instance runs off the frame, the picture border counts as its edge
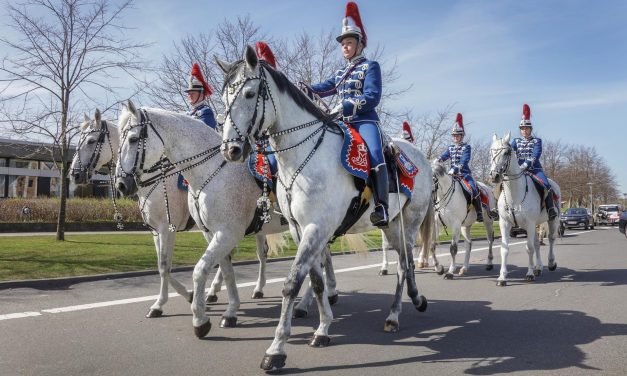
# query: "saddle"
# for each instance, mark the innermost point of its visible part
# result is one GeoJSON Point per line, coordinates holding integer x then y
{"type": "Point", "coordinates": [483, 195]}
{"type": "Point", "coordinates": [542, 191]}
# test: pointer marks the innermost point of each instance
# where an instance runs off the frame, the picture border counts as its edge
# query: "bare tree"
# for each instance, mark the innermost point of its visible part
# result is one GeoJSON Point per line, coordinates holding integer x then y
{"type": "Point", "coordinates": [431, 130]}
{"type": "Point", "coordinates": [62, 55]}
{"type": "Point", "coordinates": [480, 160]}
{"type": "Point", "coordinates": [228, 41]}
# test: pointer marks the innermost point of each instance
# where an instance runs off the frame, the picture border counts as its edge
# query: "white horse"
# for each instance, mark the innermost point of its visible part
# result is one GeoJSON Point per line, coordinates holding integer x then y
{"type": "Point", "coordinates": [452, 212]}
{"type": "Point", "coordinates": [98, 146]}
{"type": "Point", "coordinates": [314, 191]}
{"type": "Point", "coordinates": [222, 197]}
{"type": "Point", "coordinates": [520, 205]}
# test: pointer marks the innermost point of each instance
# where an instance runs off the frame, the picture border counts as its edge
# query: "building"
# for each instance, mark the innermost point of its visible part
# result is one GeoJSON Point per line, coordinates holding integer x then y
{"type": "Point", "coordinates": [28, 170]}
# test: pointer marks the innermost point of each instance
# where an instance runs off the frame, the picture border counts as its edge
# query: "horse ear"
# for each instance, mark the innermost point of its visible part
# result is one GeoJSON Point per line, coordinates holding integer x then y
{"type": "Point", "coordinates": [131, 106]}
{"type": "Point", "coordinates": [494, 137]}
{"type": "Point", "coordinates": [224, 66]}
{"type": "Point", "coordinates": [251, 57]}
{"type": "Point", "coordinates": [508, 137]}
{"type": "Point", "coordinates": [86, 117]}
{"type": "Point", "coordinates": [97, 116]}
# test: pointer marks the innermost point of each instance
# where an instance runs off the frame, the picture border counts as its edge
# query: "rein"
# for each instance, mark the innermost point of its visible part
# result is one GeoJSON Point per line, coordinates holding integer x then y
{"type": "Point", "coordinates": [504, 167]}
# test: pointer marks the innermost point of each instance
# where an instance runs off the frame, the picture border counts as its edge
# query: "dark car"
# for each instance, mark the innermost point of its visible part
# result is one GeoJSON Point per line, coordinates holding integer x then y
{"type": "Point", "coordinates": [577, 217]}
{"type": "Point", "coordinates": [622, 222]}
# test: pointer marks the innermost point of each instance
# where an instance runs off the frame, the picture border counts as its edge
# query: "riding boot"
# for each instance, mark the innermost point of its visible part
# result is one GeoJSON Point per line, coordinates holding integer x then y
{"type": "Point", "coordinates": [379, 217]}
{"type": "Point", "coordinates": [476, 202]}
{"type": "Point", "coordinates": [550, 205]}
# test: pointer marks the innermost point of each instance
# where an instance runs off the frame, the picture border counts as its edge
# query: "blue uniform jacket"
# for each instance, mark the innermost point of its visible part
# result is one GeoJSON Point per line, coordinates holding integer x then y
{"type": "Point", "coordinates": [529, 150]}
{"type": "Point", "coordinates": [359, 87]}
{"type": "Point", "coordinates": [203, 112]}
{"type": "Point", "coordinates": [459, 154]}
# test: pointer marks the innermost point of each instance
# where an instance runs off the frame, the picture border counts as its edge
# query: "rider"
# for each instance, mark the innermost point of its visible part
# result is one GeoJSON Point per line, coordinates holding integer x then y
{"type": "Point", "coordinates": [197, 93]}
{"type": "Point", "coordinates": [407, 134]}
{"type": "Point", "coordinates": [528, 151]}
{"type": "Point", "coordinates": [358, 85]}
{"type": "Point", "coordinates": [459, 153]}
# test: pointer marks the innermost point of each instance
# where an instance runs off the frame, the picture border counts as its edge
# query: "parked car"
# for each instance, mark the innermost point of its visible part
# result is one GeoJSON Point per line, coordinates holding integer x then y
{"type": "Point", "coordinates": [622, 222]}
{"type": "Point", "coordinates": [515, 231]}
{"type": "Point", "coordinates": [609, 214]}
{"type": "Point", "coordinates": [577, 217]}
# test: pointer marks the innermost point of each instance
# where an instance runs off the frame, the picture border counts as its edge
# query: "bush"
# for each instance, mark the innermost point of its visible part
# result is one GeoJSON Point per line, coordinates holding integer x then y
{"type": "Point", "coordinates": [78, 210]}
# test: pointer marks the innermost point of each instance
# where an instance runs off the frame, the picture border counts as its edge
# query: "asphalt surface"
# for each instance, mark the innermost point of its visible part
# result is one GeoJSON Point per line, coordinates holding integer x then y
{"type": "Point", "coordinates": [569, 322]}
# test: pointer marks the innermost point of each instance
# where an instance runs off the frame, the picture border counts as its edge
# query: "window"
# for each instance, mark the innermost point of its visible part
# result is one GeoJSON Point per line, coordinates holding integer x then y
{"type": "Point", "coordinates": [3, 162]}
{"type": "Point", "coordinates": [23, 163]}
{"type": "Point", "coordinates": [2, 180]}
{"type": "Point", "coordinates": [22, 186]}
{"type": "Point", "coordinates": [48, 166]}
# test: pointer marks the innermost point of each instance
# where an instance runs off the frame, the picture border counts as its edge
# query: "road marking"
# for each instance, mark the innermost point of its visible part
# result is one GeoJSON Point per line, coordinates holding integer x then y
{"type": "Point", "coordinates": [110, 303]}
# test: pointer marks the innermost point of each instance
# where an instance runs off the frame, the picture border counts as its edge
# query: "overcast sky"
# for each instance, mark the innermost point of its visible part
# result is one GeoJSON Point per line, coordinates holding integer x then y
{"type": "Point", "coordinates": [566, 59]}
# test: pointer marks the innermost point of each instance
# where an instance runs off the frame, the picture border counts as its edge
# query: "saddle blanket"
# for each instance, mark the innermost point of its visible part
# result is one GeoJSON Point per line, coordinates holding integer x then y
{"type": "Point", "coordinates": [354, 158]}
{"type": "Point", "coordinates": [260, 166]}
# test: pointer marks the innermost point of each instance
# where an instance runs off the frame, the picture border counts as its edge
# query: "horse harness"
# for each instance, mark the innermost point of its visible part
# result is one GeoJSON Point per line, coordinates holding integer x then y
{"type": "Point", "coordinates": [501, 170]}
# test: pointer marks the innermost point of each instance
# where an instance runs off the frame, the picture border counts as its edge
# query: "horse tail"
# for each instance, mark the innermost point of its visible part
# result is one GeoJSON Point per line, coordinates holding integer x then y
{"type": "Point", "coordinates": [357, 242]}
{"type": "Point", "coordinates": [427, 230]}
{"type": "Point", "coordinates": [277, 243]}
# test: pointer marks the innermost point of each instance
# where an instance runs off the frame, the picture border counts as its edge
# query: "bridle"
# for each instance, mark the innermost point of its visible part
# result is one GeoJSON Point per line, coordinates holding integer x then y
{"type": "Point", "coordinates": [502, 167]}
{"type": "Point", "coordinates": [88, 167]}
{"type": "Point", "coordinates": [163, 168]}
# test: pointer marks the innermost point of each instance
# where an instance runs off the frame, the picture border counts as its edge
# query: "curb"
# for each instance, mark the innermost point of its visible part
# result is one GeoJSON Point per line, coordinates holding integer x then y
{"type": "Point", "coordinates": [65, 282]}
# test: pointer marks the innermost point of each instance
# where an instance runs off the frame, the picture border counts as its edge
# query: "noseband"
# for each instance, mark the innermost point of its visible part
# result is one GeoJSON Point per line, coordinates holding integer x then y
{"type": "Point", "coordinates": [95, 156]}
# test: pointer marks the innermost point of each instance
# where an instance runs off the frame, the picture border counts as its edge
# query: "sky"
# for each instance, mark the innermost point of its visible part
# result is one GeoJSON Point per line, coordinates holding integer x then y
{"type": "Point", "coordinates": [566, 59]}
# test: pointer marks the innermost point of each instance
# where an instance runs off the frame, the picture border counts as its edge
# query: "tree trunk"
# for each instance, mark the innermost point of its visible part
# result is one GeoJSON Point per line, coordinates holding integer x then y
{"type": "Point", "coordinates": [64, 168]}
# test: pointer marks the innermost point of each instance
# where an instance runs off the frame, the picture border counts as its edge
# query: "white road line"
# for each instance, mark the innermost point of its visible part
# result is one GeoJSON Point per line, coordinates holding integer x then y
{"type": "Point", "coordinates": [173, 295]}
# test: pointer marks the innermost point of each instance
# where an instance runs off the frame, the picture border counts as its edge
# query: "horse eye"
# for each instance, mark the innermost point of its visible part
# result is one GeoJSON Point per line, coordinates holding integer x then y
{"type": "Point", "coordinates": [91, 141]}
{"type": "Point", "coordinates": [133, 139]}
{"type": "Point", "coordinates": [249, 94]}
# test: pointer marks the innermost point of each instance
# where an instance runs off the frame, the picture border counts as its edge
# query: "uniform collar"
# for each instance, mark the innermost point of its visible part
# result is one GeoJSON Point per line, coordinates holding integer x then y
{"type": "Point", "coordinates": [353, 59]}
{"type": "Point", "coordinates": [198, 105]}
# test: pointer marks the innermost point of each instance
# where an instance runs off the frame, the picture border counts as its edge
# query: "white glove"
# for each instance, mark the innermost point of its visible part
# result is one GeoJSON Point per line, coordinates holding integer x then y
{"type": "Point", "coordinates": [435, 160]}
{"type": "Point", "coordinates": [451, 171]}
{"type": "Point", "coordinates": [524, 166]}
{"type": "Point", "coordinates": [338, 109]}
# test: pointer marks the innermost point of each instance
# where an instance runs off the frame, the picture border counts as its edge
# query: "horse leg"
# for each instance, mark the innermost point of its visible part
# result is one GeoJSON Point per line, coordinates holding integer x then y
{"type": "Point", "coordinates": [391, 322]}
{"type": "Point", "coordinates": [385, 248]}
{"type": "Point", "coordinates": [468, 241]}
{"type": "Point", "coordinates": [216, 286]}
{"type": "Point", "coordinates": [419, 301]}
{"type": "Point", "coordinates": [331, 282]}
{"type": "Point", "coordinates": [302, 308]}
{"type": "Point", "coordinates": [490, 234]}
{"type": "Point", "coordinates": [262, 255]}
{"type": "Point", "coordinates": [220, 244]}
{"type": "Point", "coordinates": [453, 249]}
{"type": "Point", "coordinates": [309, 250]}
{"type": "Point", "coordinates": [532, 239]}
{"type": "Point", "coordinates": [156, 309]}
{"type": "Point", "coordinates": [552, 235]}
{"type": "Point", "coordinates": [537, 270]}
{"type": "Point", "coordinates": [229, 317]}
{"type": "Point", "coordinates": [505, 227]}
{"type": "Point", "coordinates": [321, 335]}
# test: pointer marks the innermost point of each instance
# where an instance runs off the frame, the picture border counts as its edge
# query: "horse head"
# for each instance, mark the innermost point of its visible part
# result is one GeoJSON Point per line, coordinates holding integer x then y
{"type": "Point", "coordinates": [250, 108]}
{"type": "Point", "coordinates": [137, 149]}
{"type": "Point", "coordinates": [501, 155]}
{"type": "Point", "coordinates": [95, 148]}
{"type": "Point", "coordinates": [439, 169]}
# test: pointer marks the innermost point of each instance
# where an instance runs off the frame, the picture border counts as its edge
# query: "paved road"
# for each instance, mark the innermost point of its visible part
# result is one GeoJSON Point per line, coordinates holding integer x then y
{"type": "Point", "coordinates": [569, 322]}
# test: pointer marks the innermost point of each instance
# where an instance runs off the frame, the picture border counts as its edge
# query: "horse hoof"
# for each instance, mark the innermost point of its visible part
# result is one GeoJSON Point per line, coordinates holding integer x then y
{"type": "Point", "coordinates": [553, 267]}
{"type": "Point", "coordinates": [422, 265]}
{"type": "Point", "coordinates": [489, 267]}
{"type": "Point", "coordinates": [530, 278]}
{"type": "Point", "coordinates": [423, 304]}
{"type": "Point", "coordinates": [391, 326]}
{"type": "Point", "coordinates": [448, 276]}
{"type": "Point", "coordinates": [537, 272]}
{"type": "Point", "coordinates": [300, 313]}
{"type": "Point", "coordinates": [228, 322]}
{"type": "Point", "coordinates": [501, 283]}
{"type": "Point", "coordinates": [201, 331]}
{"type": "Point", "coordinates": [440, 270]}
{"type": "Point", "coordinates": [154, 313]}
{"type": "Point", "coordinates": [191, 298]}
{"type": "Point", "coordinates": [462, 272]}
{"type": "Point", "coordinates": [319, 341]}
{"type": "Point", "coordinates": [333, 299]}
{"type": "Point", "coordinates": [212, 298]}
{"type": "Point", "coordinates": [258, 295]}
{"type": "Point", "coordinates": [273, 362]}
{"type": "Point", "coordinates": [383, 272]}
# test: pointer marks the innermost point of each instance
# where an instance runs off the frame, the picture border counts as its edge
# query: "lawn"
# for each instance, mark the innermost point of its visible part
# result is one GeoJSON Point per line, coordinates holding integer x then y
{"type": "Point", "coordinates": [34, 257]}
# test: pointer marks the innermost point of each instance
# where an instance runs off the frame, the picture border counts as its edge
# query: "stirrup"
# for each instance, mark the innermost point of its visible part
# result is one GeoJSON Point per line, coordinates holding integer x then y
{"type": "Point", "coordinates": [378, 220]}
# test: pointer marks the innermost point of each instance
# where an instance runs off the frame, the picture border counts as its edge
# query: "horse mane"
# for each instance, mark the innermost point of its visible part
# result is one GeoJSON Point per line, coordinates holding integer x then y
{"type": "Point", "coordinates": [438, 169]}
{"type": "Point", "coordinates": [283, 84]}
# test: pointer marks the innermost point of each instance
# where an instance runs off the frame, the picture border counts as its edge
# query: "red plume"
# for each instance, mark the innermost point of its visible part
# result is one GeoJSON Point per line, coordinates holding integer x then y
{"type": "Point", "coordinates": [460, 120]}
{"type": "Point", "coordinates": [196, 72]}
{"type": "Point", "coordinates": [352, 11]}
{"type": "Point", "coordinates": [526, 112]}
{"type": "Point", "coordinates": [265, 53]}
{"type": "Point", "coordinates": [407, 134]}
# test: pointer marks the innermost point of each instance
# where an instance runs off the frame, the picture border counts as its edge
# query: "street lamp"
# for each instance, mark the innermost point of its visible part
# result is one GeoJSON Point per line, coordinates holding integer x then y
{"type": "Point", "coordinates": [591, 205]}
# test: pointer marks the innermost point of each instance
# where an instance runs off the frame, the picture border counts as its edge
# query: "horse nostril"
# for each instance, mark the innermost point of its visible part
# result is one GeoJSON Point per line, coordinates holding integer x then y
{"type": "Point", "coordinates": [121, 187]}
{"type": "Point", "coordinates": [235, 152]}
